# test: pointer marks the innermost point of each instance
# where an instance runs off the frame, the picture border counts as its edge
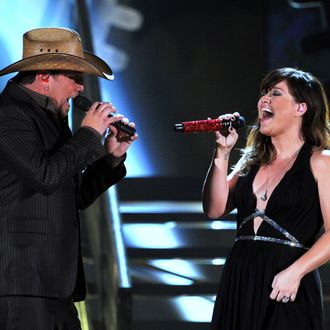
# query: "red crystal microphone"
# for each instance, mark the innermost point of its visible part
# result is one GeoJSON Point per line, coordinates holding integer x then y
{"type": "Point", "coordinates": [209, 125]}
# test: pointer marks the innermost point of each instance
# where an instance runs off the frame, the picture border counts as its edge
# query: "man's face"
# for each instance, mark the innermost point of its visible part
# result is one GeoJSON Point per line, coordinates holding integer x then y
{"type": "Point", "coordinates": [62, 87]}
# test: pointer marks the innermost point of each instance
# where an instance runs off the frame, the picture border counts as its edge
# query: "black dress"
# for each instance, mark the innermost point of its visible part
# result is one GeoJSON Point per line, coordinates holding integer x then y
{"type": "Point", "coordinates": [292, 222]}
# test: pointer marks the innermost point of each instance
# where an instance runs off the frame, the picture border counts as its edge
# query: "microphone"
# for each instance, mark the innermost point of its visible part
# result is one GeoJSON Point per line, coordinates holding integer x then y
{"type": "Point", "coordinates": [209, 125]}
{"type": "Point", "coordinates": [83, 103]}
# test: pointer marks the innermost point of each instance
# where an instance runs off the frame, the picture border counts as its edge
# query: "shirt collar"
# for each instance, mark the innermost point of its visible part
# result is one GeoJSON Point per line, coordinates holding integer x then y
{"type": "Point", "coordinates": [43, 100]}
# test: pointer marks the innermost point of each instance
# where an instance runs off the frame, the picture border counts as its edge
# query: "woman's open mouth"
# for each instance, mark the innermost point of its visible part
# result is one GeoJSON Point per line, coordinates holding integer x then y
{"type": "Point", "coordinates": [266, 113]}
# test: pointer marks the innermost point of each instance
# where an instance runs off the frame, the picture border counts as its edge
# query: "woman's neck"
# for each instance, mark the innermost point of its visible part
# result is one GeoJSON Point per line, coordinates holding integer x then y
{"type": "Point", "coordinates": [285, 148]}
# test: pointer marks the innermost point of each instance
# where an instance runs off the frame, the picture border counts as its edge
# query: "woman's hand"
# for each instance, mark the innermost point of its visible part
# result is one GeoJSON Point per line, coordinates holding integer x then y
{"type": "Point", "coordinates": [285, 285]}
{"type": "Point", "coordinates": [227, 138]}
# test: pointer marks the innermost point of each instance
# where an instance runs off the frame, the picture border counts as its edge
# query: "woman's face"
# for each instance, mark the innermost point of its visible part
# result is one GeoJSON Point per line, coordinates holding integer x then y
{"type": "Point", "coordinates": [277, 110]}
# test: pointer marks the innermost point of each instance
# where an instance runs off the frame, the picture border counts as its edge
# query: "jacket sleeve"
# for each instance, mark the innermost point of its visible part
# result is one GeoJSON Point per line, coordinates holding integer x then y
{"type": "Point", "coordinates": [28, 151]}
{"type": "Point", "coordinates": [97, 178]}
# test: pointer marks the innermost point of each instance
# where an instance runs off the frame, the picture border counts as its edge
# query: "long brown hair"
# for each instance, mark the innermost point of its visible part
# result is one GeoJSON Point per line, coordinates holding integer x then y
{"type": "Point", "coordinates": [305, 88]}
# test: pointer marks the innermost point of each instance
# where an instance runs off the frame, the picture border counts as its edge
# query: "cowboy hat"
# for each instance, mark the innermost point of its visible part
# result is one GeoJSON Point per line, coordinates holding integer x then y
{"type": "Point", "coordinates": [57, 49]}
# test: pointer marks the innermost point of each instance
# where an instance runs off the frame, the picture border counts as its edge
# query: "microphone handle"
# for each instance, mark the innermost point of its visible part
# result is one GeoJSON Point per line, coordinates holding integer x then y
{"type": "Point", "coordinates": [208, 125]}
{"type": "Point", "coordinates": [83, 103]}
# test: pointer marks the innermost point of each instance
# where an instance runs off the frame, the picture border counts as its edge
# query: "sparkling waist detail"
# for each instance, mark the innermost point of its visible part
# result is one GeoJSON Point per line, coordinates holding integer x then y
{"type": "Point", "coordinates": [271, 239]}
{"type": "Point", "coordinates": [292, 241]}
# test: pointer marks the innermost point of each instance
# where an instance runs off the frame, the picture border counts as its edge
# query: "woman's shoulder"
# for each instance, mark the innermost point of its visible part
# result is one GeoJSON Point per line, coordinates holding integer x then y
{"type": "Point", "coordinates": [322, 155]}
{"type": "Point", "coordinates": [320, 162]}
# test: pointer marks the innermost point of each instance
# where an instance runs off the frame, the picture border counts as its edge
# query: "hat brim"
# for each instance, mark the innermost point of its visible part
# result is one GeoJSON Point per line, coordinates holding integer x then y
{"type": "Point", "coordinates": [91, 64]}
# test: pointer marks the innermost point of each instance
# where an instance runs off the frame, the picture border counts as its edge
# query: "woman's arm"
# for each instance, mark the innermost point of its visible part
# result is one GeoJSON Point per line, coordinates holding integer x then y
{"type": "Point", "coordinates": [287, 282]}
{"type": "Point", "coordinates": [218, 188]}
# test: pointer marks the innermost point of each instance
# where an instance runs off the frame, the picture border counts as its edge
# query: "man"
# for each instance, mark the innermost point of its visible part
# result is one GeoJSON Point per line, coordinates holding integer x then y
{"type": "Point", "coordinates": [47, 174]}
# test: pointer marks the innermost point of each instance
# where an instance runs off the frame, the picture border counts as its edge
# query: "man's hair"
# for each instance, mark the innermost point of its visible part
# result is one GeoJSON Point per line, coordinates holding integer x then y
{"type": "Point", "coordinates": [28, 77]}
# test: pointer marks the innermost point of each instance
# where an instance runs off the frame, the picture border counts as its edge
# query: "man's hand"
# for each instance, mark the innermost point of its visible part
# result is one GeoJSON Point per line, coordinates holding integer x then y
{"type": "Point", "coordinates": [100, 116]}
{"type": "Point", "coordinates": [117, 142]}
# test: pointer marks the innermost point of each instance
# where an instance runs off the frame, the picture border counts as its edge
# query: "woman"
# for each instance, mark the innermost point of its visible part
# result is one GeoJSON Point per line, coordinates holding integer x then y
{"type": "Point", "coordinates": [280, 188]}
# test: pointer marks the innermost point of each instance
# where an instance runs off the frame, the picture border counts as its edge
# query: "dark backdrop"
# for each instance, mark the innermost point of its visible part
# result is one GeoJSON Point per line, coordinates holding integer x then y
{"type": "Point", "coordinates": [190, 60]}
{"type": "Point", "coordinates": [196, 59]}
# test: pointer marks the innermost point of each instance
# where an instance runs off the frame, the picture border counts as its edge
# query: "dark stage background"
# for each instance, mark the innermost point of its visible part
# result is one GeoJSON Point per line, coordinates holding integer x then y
{"type": "Point", "coordinates": [193, 60]}
{"type": "Point", "coordinates": [189, 61]}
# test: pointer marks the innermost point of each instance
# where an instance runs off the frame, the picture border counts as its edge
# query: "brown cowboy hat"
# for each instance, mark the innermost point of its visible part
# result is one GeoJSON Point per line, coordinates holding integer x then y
{"type": "Point", "coordinates": [57, 49]}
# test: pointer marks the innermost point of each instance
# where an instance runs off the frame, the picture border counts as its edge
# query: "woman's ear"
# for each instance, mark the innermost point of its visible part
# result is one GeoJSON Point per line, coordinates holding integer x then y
{"type": "Point", "coordinates": [301, 109]}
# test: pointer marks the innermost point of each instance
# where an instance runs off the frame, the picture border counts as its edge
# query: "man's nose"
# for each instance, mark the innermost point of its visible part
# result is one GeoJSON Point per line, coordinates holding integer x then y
{"type": "Point", "coordinates": [81, 87]}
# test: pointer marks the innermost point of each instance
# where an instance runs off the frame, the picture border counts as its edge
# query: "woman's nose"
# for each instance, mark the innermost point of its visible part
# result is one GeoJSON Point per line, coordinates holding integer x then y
{"type": "Point", "coordinates": [265, 99]}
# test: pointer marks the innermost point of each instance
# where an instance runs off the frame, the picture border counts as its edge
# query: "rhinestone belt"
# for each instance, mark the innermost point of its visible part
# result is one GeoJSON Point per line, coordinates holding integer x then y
{"type": "Point", "coordinates": [292, 241]}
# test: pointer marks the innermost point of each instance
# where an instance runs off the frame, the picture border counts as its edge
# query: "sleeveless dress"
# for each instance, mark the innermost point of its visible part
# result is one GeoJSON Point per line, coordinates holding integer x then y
{"type": "Point", "coordinates": [292, 222]}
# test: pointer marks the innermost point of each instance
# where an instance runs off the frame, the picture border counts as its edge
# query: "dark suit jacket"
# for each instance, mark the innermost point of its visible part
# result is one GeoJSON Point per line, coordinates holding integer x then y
{"type": "Point", "coordinates": [46, 176]}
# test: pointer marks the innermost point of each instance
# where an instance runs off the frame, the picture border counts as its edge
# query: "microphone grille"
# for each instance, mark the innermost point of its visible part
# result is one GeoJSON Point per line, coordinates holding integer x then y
{"type": "Point", "coordinates": [239, 122]}
{"type": "Point", "coordinates": [82, 102]}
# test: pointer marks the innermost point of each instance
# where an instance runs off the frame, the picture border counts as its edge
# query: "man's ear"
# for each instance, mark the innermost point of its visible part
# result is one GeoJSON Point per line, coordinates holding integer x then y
{"type": "Point", "coordinates": [42, 79]}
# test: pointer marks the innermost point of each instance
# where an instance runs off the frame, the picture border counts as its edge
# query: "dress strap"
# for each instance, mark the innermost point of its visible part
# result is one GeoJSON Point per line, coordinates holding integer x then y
{"type": "Point", "coordinates": [292, 241]}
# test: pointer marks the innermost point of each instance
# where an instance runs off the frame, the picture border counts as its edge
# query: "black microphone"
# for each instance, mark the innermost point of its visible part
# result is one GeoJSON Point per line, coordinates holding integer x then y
{"type": "Point", "coordinates": [209, 125]}
{"type": "Point", "coordinates": [83, 103]}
